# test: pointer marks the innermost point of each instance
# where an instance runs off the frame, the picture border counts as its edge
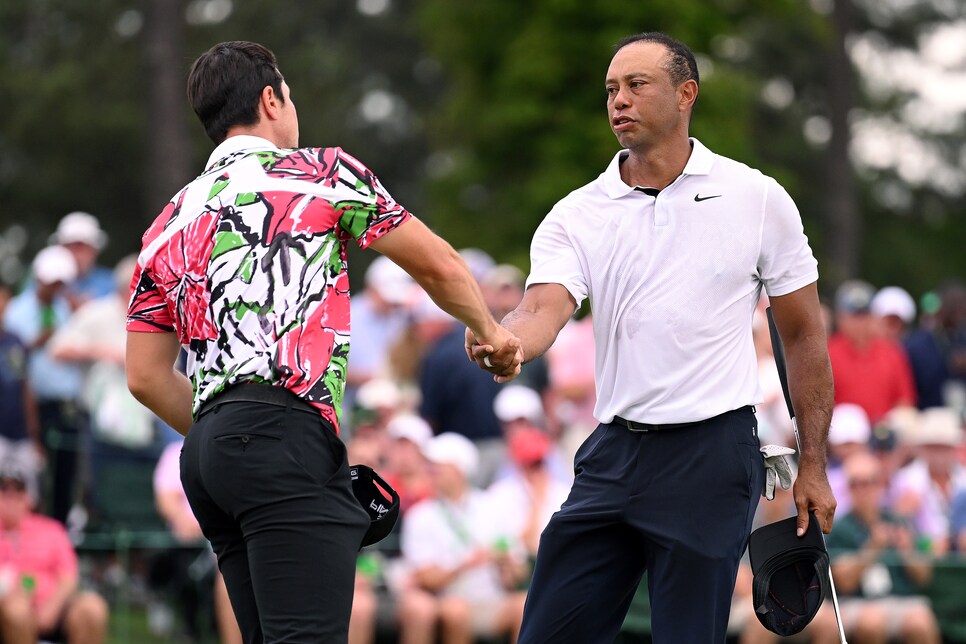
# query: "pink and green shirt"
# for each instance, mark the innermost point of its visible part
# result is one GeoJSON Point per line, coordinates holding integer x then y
{"type": "Point", "coordinates": [247, 264]}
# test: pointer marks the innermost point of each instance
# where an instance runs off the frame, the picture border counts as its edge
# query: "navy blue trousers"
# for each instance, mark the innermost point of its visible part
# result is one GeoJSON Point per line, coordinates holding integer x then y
{"type": "Point", "coordinates": [270, 487]}
{"type": "Point", "coordinates": [678, 503]}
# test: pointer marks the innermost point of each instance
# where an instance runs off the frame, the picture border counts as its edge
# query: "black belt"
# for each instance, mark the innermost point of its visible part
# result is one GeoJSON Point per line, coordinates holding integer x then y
{"type": "Point", "coordinates": [257, 393]}
{"type": "Point", "coordinates": [648, 427]}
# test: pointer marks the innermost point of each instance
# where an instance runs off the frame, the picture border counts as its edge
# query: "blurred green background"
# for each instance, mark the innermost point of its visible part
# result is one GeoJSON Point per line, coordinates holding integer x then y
{"type": "Point", "coordinates": [478, 116]}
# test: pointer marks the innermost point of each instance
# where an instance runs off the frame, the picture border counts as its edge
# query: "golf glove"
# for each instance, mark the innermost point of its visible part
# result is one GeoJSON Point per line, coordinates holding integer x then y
{"type": "Point", "coordinates": [776, 469]}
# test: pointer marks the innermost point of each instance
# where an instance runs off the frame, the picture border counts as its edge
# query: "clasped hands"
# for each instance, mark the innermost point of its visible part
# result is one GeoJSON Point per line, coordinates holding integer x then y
{"type": "Point", "coordinates": [501, 354]}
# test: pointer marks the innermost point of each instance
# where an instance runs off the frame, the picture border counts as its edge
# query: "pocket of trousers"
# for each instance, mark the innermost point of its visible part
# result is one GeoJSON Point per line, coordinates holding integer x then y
{"type": "Point", "coordinates": [246, 440]}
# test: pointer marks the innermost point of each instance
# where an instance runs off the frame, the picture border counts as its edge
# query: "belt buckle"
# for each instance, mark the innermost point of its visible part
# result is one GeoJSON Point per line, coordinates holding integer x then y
{"type": "Point", "coordinates": [641, 428]}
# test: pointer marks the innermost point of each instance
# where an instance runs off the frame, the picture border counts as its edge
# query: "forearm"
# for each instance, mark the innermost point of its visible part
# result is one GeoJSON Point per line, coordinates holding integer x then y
{"type": "Point", "coordinates": [811, 388]}
{"type": "Point", "coordinates": [169, 395]}
{"type": "Point", "coordinates": [535, 334]}
{"type": "Point", "coordinates": [441, 272]}
{"type": "Point", "coordinates": [92, 353]}
{"type": "Point", "coordinates": [798, 318]}
{"type": "Point", "coordinates": [435, 578]}
{"type": "Point", "coordinates": [917, 568]}
{"type": "Point", "coordinates": [452, 287]}
{"type": "Point", "coordinates": [537, 320]}
{"type": "Point", "coordinates": [155, 382]}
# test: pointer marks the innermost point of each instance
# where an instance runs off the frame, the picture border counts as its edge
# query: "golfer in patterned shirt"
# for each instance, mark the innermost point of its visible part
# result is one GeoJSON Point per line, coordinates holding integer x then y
{"type": "Point", "coordinates": [245, 269]}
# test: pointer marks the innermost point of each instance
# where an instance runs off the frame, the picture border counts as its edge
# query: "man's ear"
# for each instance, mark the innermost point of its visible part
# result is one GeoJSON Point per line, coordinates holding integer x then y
{"type": "Point", "coordinates": [270, 103]}
{"type": "Point", "coordinates": [688, 93]}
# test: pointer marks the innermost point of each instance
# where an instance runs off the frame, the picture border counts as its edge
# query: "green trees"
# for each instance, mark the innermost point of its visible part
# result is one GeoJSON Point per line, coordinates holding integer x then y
{"type": "Point", "coordinates": [480, 115]}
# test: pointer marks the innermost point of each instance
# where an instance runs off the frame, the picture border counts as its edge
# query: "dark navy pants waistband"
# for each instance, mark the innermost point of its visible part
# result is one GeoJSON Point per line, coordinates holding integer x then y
{"type": "Point", "coordinates": [663, 427]}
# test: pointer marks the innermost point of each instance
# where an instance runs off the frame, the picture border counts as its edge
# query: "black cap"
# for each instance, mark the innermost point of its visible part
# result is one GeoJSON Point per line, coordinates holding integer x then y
{"type": "Point", "coordinates": [378, 499]}
{"type": "Point", "coordinates": [791, 574]}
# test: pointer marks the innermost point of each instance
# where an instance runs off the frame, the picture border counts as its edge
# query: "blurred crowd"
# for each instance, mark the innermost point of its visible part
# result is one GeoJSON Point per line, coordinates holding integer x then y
{"type": "Point", "coordinates": [896, 462]}
{"type": "Point", "coordinates": [479, 466]}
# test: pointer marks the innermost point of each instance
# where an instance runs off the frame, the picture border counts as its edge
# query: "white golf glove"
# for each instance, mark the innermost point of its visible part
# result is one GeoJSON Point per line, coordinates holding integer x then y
{"type": "Point", "coordinates": [776, 469]}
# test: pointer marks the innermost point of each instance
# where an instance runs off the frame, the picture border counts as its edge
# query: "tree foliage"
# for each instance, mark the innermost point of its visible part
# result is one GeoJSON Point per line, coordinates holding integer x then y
{"type": "Point", "coordinates": [478, 116]}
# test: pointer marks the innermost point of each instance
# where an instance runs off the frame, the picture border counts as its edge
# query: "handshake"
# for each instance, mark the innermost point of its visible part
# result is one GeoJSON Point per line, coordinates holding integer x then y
{"type": "Point", "coordinates": [501, 353]}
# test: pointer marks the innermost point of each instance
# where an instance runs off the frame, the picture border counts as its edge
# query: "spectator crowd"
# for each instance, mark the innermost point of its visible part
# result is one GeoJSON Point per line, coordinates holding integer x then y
{"type": "Point", "coordinates": [480, 467]}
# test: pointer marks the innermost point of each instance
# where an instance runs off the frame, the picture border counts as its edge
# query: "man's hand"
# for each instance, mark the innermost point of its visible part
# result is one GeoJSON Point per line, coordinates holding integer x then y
{"type": "Point", "coordinates": [813, 493]}
{"type": "Point", "coordinates": [502, 355]}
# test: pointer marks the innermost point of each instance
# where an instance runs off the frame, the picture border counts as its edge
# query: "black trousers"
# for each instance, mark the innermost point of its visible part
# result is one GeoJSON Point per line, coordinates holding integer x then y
{"type": "Point", "coordinates": [678, 503]}
{"type": "Point", "coordinates": [63, 431]}
{"type": "Point", "coordinates": [270, 487]}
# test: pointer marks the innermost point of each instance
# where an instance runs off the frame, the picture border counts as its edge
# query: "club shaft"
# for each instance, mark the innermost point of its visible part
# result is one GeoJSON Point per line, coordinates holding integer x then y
{"type": "Point", "coordinates": [779, 351]}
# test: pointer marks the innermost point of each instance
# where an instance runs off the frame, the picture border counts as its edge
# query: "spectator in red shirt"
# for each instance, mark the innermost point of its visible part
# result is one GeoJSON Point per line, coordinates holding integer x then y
{"type": "Point", "coordinates": [869, 370]}
{"type": "Point", "coordinates": [39, 595]}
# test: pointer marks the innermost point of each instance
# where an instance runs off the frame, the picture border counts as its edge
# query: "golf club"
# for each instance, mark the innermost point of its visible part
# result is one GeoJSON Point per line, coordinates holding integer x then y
{"type": "Point", "coordinates": [779, 351]}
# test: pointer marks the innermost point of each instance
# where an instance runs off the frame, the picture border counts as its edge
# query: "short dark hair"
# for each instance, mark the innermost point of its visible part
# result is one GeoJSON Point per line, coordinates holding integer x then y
{"type": "Point", "coordinates": [680, 65]}
{"type": "Point", "coordinates": [225, 84]}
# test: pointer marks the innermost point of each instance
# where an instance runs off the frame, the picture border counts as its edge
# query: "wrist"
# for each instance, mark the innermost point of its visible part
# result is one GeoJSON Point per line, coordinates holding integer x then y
{"type": "Point", "coordinates": [811, 464]}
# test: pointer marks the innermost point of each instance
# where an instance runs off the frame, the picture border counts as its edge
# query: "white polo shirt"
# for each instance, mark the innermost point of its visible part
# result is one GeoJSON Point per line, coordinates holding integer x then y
{"type": "Point", "coordinates": [673, 281]}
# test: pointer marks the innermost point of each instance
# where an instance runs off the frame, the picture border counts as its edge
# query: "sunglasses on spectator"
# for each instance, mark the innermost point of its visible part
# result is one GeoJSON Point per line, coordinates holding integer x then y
{"type": "Point", "coordinates": [12, 485]}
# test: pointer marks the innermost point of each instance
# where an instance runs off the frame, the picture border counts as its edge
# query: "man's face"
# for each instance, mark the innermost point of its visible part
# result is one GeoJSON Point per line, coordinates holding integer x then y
{"type": "Point", "coordinates": [867, 488]}
{"type": "Point", "coordinates": [84, 254]}
{"type": "Point", "coordinates": [642, 103]}
{"type": "Point", "coordinates": [290, 120]}
{"type": "Point", "coordinates": [14, 502]}
{"type": "Point", "coordinates": [858, 327]}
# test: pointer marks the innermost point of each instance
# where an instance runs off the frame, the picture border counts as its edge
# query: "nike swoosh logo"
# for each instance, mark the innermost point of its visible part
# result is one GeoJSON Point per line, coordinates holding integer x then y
{"type": "Point", "coordinates": [700, 198]}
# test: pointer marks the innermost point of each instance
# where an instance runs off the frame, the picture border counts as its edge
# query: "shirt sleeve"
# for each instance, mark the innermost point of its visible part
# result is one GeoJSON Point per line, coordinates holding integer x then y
{"type": "Point", "coordinates": [554, 258]}
{"type": "Point", "coordinates": [147, 311]}
{"type": "Point", "coordinates": [371, 212]}
{"type": "Point", "coordinates": [786, 262]}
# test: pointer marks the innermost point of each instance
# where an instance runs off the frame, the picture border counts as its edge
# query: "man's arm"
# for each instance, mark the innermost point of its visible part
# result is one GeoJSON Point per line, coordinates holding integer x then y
{"type": "Point", "coordinates": [536, 321]}
{"type": "Point", "coordinates": [155, 382]}
{"type": "Point", "coordinates": [799, 321]}
{"type": "Point", "coordinates": [443, 274]}
{"type": "Point", "coordinates": [52, 610]}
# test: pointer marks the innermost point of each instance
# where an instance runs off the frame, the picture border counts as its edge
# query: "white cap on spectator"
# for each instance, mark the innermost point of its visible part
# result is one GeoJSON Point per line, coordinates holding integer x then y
{"type": "Point", "coordinates": [410, 427]}
{"type": "Point", "coordinates": [504, 275]}
{"type": "Point", "coordinates": [80, 227]}
{"type": "Point", "coordinates": [904, 421]}
{"type": "Point", "coordinates": [939, 426]}
{"type": "Point", "coordinates": [379, 393]}
{"type": "Point", "coordinates": [479, 261]}
{"type": "Point", "coordinates": [393, 284]}
{"type": "Point", "coordinates": [850, 424]}
{"type": "Point", "coordinates": [515, 402]}
{"type": "Point", "coordinates": [894, 300]}
{"type": "Point", "coordinates": [450, 448]}
{"type": "Point", "coordinates": [54, 264]}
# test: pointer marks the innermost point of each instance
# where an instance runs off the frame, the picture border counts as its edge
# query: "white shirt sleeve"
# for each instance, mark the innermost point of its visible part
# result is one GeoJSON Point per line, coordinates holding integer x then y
{"type": "Point", "coordinates": [785, 262]}
{"type": "Point", "coordinates": [554, 258]}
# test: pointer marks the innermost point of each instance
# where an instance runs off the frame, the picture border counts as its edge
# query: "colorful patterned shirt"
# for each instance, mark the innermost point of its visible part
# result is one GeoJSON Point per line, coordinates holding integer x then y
{"type": "Point", "coordinates": [247, 264]}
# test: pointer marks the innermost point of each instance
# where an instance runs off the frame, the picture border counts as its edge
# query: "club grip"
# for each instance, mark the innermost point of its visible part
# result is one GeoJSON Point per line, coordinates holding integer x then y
{"type": "Point", "coordinates": [779, 351]}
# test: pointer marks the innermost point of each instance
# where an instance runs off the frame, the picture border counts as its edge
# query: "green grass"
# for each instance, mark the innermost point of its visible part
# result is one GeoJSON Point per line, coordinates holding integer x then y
{"type": "Point", "coordinates": [130, 626]}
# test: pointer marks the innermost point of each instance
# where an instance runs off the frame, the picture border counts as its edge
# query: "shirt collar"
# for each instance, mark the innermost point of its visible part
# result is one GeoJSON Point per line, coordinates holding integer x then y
{"type": "Point", "coordinates": [699, 162]}
{"type": "Point", "coordinates": [237, 143]}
